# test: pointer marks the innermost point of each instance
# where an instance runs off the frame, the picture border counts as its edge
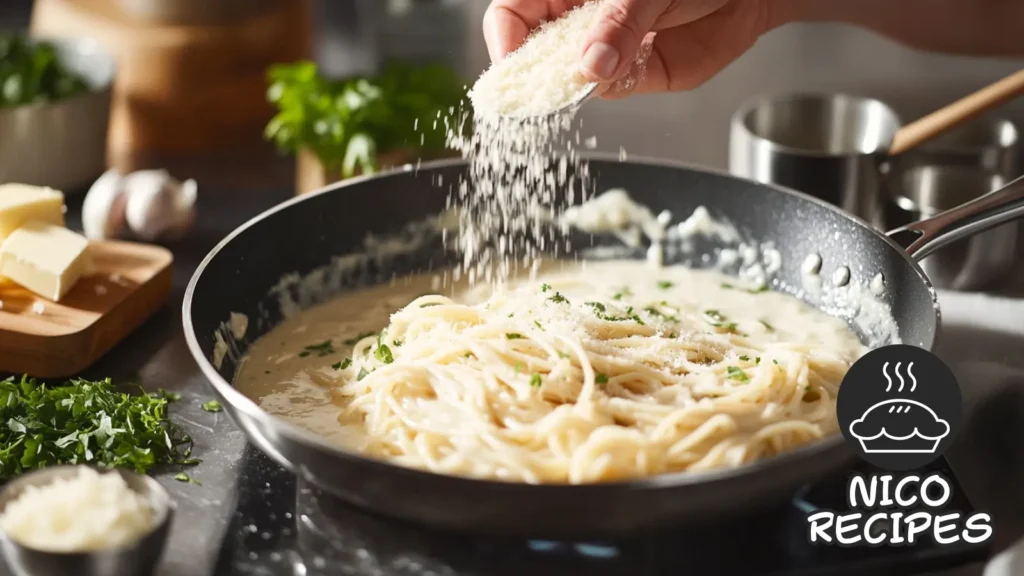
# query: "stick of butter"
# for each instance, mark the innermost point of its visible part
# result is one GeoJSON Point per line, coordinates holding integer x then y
{"type": "Point", "coordinates": [45, 258]}
{"type": "Point", "coordinates": [21, 203]}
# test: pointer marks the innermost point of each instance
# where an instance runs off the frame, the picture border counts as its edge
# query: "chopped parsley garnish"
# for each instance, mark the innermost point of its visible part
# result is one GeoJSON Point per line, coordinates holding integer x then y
{"type": "Point", "coordinates": [514, 336]}
{"type": "Point", "coordinates": [601, 378]}
{"type": "Point", "coordinates": [655, 312]}
{"type": "Point", "coordinates": [182, 477]}
{"type": "Point", "coordinates": [600, 310]}
{"type": "Point", "coordinates": [322, 349]}
{"type": "Point", "coordinates": [545, 287]}
{"type": "Point", "coordinates": [715, 315]}
{"type": "Point", "coordinates": [362, 374]}
{"type": "Point", "coordinates": [343, 364]}
{"type": "Point", "coordinates": [535, 381]}
{"type": "Point", "coordinates": [758, 290]}
{"type": "Point", "coordinates": [737, 374]}
{"type": "Point", "coordinates": [355, 340]}
{"type": "Point", "coordinates": [397, 343]}
{"type": "Point", "coordinates": [717, 320]}
{"type": "Point", "coordinates": [85, 422]}
{"type": "Point", "coordinates": [757, 360]}
{"type": "Point", "coordinates": [563, 355]}
{"type": "Point", "coordinates": [664, 284]}
{"type": "Point", "coordinates": [768, 326]}
{"type": "Point", "coordinates": [745, 358]}
{"type": "Point", "coordinates": [212, 406]}
{"type": "Point", "coordinates": [776, 362]}
{"type": "Point", "coordinates": [624, 292]}
{"type": "Point", "coordinates": [537, 324]}
{"type": "Point", "coordinates": [169, 396]}
{"type": "Point", "coordinates": [518, 367]}
{"type": "Point", "coordinates": [558, 298]}
{"type": "Point", "coordinates": [383, 353]}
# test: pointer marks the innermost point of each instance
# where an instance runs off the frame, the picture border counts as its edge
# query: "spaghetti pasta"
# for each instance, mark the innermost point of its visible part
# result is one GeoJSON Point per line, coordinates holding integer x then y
{"type": "Point", "coordinates": [583, 376]}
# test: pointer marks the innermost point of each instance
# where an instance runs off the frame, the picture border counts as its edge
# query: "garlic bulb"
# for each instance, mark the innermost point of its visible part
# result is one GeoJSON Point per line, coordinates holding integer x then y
{"type": "Point", "coordinates": [103, 212]}
{"type": "Point", "coordinates": [159, 207]}
{"type": "Point", "coordinates": [149, 205]}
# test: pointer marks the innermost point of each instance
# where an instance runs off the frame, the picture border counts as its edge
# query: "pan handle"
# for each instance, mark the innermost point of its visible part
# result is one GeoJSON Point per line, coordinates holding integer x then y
{"type": "Point", "coordinates": [997, 207]}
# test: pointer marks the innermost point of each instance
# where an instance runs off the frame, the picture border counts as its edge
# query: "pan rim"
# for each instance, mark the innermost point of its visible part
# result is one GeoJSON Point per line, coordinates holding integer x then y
{"type": "Point", "coordinates": [238, 401]}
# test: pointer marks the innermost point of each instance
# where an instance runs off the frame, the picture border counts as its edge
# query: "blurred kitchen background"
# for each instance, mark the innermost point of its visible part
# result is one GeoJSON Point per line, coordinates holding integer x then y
{"type": "Point", "coordinates": [355, 36]}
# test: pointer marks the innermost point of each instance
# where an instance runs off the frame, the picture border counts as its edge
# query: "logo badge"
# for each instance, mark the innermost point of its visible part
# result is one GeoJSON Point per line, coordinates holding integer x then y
{"type": "Point", "coordinates": [899, 407]}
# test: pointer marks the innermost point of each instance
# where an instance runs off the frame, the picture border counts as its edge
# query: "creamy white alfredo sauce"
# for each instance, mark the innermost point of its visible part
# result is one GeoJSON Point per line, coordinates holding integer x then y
{"type": "Point", "coordinates": [291, 371]}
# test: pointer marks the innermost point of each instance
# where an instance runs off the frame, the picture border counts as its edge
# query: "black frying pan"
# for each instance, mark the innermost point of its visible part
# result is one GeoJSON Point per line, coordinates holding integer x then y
{"type": "Point", "coordinates": [303, 234]}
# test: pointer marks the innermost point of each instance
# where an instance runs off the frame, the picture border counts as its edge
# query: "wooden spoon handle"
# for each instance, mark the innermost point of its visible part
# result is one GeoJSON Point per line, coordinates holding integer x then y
{"type": "Point", "coordinates": [938, 122]}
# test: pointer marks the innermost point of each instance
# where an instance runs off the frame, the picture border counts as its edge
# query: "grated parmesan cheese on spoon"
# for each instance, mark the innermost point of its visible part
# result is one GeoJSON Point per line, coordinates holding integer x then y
{"type": "Point", "coordinates": [90, 511]}
{"type": "Point", "coordinates": [543, 75]}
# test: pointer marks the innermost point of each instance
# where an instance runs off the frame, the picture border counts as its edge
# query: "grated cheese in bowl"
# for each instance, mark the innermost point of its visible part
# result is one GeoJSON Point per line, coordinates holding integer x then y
{"type": "Point", "coordinates": [89, 511]}
{"type": "Point", "coordinates": [543, 75]}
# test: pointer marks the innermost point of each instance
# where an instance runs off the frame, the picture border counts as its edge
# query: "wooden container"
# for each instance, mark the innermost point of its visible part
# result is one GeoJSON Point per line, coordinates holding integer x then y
{"type": "Point", "coordinates": [184, 88]}
{"type": "Point", "coordinates": [310, 174]}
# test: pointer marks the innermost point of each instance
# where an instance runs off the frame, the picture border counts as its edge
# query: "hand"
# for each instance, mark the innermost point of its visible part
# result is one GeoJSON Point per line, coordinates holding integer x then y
{"type": "Point", "coordinates": [692, 39]}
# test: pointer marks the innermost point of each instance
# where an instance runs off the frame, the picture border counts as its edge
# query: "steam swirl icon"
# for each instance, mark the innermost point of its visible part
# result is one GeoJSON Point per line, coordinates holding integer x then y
{"type": "Point", "coordinates": [899, 425]}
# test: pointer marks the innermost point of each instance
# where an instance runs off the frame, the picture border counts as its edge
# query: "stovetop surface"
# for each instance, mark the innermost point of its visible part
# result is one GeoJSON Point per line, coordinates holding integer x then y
{"type": "Point", "coordinates": [284, 526]}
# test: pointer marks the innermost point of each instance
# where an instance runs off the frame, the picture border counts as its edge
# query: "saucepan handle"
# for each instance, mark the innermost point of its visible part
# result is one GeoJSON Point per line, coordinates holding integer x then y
{"type": "Point", "coordinates": [997, 207]}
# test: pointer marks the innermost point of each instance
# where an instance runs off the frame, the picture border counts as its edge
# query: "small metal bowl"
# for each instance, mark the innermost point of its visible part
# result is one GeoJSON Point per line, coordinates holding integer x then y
{"type": "Point", "coordinates": [62, 144]}
{"type": "Point", "coordinates": [137, 559]}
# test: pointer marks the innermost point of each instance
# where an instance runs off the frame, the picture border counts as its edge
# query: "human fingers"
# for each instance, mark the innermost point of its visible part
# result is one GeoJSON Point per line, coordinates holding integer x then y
{"type": "Point", "coordinates": [622, 25]}
{"type": "Point", "coordinates": [507, 23]}
{"type": "Point", "coordinates": [687, 56]}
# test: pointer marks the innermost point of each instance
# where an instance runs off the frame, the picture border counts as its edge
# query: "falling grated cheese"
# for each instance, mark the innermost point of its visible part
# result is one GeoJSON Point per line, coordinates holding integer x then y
{"type": "Point", "coordinates": [543, 75]}
{"type": "Point", "coordinates": [90, 511]}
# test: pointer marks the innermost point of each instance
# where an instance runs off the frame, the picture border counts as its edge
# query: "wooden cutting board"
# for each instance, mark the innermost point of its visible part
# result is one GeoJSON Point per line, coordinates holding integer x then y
{"type": "Point", "coordinates": [47, 339]}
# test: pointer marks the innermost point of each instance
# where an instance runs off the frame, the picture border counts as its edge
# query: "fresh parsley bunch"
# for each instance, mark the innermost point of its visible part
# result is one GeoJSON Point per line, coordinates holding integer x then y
{"type": "Point", "coordinates": [85, 422]}
{"type": "Point", "coordinates": [347, 122]}
{"type": "Point", "coordinates": [31, 71]}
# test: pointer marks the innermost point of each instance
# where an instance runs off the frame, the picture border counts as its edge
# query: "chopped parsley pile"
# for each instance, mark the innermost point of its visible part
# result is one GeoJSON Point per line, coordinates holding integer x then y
{"type": "Point", "coordinates": [86, 422]}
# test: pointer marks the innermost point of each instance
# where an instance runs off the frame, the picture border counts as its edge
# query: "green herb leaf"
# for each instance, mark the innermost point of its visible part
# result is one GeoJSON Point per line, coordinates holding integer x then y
{"type": "Point", "coordinates": [745, 358]}
{"type": "Point", "coordinates": [32, 71]}
{"type": "Point", "coordinates": [212, 406]}
{"type": "Point", "coordinates": [85, 422]}
{"type": "Point", "coordinates": [383, 353]}
{"type": "Point", "coordinates": [322, 349]}
{"type": "Point", "coordinates": [737, 374]}
{"type": "Point", "coordinates": [347, 123]}
{"type": "Point", "coordinates": [537, 324]}
{"type": "Point", "coordinates": [168, 395]}
{"type": "Point", "coordinates": [558, 299]}
{"type": "Point", "coordinates": [767, 326]}
{"type": "Point", "coordinates": [362, 374]}
{"type": "Point", "coordinates": [342, 365]}
{"type": "Point", "coordinates": [563, 355]}
{"type": "Point", "coordinates": [514, 336]}
{"type": "Point", "coordinates": [601, 378]}
{"type": "Point", "coordinates": [182, 477]}
{"type": "Point", "coordinates": [621, 293]}
{"type": "Point", "coordinates": [757, 290]}
{"type": "Point", "coordinates": [664, 284]}
{"type": "Point", "coordinates": [536, 381]}
{"type": "Point", "coordinates": [355, 340]}
{"type": "Point", "coordinates": [545, 287]}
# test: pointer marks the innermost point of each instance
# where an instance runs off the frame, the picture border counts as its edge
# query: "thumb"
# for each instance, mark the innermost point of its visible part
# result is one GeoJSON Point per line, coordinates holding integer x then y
{"type": "Point", "coordinates": [616, 36]}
